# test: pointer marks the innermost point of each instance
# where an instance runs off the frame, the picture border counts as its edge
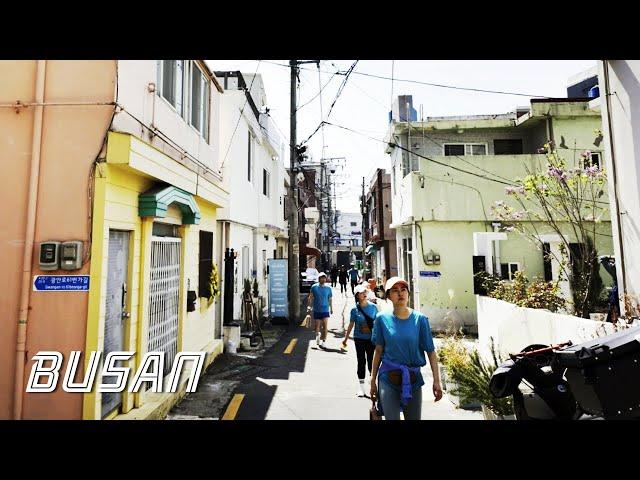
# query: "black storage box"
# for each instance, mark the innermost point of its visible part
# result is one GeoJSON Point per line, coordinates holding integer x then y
{"type": "Point", "coordinates": [604, 374]}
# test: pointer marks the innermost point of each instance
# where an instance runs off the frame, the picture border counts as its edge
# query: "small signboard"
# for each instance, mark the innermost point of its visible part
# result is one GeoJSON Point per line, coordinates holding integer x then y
{"type": "Point", "coordinates": [278, 287]}
{"type": "Point", "coordinates": [61, 283]}
{"type": "Point", "coordinates": [429, 273]}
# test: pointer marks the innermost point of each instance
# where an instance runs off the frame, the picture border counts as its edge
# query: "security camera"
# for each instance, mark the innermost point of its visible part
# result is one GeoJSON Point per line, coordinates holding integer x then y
{"type": "Point", "coordinates": [333, 170]}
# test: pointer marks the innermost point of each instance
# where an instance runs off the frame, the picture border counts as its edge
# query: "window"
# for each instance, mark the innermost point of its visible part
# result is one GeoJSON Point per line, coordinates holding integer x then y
{"type": "Point", "coordinates": [199, 101]}
{"type": "Point", "coordinates": [266, 190]}
{"type": "Point", "coordinates": [593, 160]}
{"type": "Point", "coordinates": [354, 224]}
{"type": "Point", "coordinates": [205, 263]}
{"type": "Point", "coordinates": [508, 270]}
{"type": "Point", "coordinates": [475, 149]}
{"type": "Point", "coordinates": [453, 150]}
{"type": "Point", "coordinates": [171, 81]}
{"type": "Point", "coordinates": [459, 149]}
{"type": "Point", "coordinates": [355, 242]}
{"type": "Point", "coordinates": [185, 86]}
{"type": "Point", "coordinates": [507, 147]}
{"type": "Point", "coordinates": [249, 156]}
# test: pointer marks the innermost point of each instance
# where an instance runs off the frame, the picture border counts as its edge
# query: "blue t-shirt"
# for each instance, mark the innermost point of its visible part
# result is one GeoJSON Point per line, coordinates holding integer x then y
{"type": "Point", "coordinates": [353, 275]}
{"type": "Point", "coordinates": [361, 327]}
{"type": "Point", "coordinates": [404, 341]}
{"type": "Point", "coordinates": [321, 296]}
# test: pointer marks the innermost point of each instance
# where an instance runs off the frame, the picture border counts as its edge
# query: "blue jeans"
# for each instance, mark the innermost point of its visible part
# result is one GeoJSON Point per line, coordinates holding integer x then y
{"type": "Point", "coordinates": [391, 405]}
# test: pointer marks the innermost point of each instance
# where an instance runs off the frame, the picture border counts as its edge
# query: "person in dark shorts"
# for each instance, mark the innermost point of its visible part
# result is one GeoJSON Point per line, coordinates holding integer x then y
{"type": "Point", "coordinates": [320, 297]}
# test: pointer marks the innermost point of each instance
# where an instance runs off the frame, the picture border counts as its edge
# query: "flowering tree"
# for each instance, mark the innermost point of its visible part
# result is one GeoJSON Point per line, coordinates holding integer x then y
{"type": "Point", "coordinates": [567, 200]}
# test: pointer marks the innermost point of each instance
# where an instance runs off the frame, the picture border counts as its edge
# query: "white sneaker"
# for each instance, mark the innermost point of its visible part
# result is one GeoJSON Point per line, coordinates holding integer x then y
{"type": "Point", "coordinates": [361, 392]}
{"type": "Point", "coordinates": [318, 339]}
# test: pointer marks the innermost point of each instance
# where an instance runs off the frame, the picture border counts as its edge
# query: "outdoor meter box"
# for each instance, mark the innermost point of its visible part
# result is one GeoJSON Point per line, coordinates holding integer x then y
{"type": "Point", "coordinates": [49, 255]}
{"type": "Point", "coordinates": [71, 255]}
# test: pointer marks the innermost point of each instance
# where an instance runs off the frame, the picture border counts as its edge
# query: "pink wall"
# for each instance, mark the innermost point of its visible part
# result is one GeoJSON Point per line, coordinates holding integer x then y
{"type": "Point", "coordinates": [71, 139]}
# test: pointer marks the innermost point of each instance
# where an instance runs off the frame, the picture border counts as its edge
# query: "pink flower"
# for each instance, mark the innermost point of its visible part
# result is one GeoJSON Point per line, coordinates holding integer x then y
{"type": "Point", "coordinates": [558, 173]}
{"type": "Point", "coordinates": [592, 171]}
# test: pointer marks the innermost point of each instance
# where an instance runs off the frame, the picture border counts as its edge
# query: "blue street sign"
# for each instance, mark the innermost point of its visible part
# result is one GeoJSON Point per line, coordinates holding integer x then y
{"type": "Point", "coordinates": [278, 287]}
{"type": "Point", "coordinates": [429, 273]}
{"type": "Point", "coordinates": [61, 283]}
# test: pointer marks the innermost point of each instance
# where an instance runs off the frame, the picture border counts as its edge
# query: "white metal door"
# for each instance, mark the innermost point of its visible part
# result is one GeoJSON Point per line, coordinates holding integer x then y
{"type": "Point", "coordinates": [115, 308]}
{"type": "Point", "coordinates": [164, 298]}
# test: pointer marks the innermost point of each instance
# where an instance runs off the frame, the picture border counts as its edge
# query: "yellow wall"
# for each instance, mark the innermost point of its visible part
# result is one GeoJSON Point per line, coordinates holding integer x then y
{"type": "Point", "coordinates": [119, 186]}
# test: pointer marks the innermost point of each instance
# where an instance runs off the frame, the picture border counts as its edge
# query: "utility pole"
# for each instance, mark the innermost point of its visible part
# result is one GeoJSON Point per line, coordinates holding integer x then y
{"type": "Point", "coordinates": [294, 245]}
{"type": "Point", "coordinates": [320, 243]}
{"type": "Point", "coordinates": [362, 227]}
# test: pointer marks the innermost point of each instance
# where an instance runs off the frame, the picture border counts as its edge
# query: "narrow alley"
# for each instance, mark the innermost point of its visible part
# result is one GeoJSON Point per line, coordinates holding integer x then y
{"type": "Point", "coordinates": [297, 380]}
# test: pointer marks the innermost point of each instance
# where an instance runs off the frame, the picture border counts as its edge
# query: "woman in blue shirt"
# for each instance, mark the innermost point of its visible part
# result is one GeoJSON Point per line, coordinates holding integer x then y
{"type": "Point", "coordinates": [401, 339]}
{"type": "Point", "coordinates": [361, 326]}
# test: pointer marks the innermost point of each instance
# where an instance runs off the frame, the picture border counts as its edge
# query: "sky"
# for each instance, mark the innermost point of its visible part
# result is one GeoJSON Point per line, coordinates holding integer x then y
{"type": "Point", "coordinates": [365, 102]}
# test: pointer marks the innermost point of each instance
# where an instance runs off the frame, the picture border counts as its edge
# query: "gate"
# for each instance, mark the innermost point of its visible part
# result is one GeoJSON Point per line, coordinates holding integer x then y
{"type": "Point", "coordinates": [164, 298]}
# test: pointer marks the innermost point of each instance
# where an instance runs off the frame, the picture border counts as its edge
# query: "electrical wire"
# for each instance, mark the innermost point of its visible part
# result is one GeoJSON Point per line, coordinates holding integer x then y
{"type": "Point", "coordinates": [246, 100]}
{"type": "Point", "coordinates": [429, 84]}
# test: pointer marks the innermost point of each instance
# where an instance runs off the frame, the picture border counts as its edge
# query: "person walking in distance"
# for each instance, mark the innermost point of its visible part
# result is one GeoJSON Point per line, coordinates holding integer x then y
{"type": "Point", "coordinates": [401, 338]}
{"type": "Point", "coordinates": [361, 322]}
{"type": "Point", "coordinates": [320, 297]}
{"type": "Point", "coordinates": [353, 277]}
{"type": "Point", "coordinates": [334, 275]}
{"type": "Point", "coordinates": [342, 276]}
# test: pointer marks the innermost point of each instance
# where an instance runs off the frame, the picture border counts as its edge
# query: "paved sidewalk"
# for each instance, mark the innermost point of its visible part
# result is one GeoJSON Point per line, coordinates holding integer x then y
{"type": "Point", "coordinates": [312, 383]}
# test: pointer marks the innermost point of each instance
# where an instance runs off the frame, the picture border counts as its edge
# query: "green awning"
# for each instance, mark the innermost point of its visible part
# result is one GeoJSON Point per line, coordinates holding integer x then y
{"type": "Point", "coordinates": [154, 203]}
{"type": "Point", "coordinates": [370, 249]}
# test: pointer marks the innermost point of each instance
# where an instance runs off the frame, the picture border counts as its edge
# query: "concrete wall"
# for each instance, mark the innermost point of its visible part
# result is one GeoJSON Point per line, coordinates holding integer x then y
{"type": "Point", "coordinates": [512, 328]}
{"type": "Point", "coordinates": [72, 138]}
{"type": "Point", "coordinates": [620, 141]}
{"type": "Point", "coordinates": [432, 143]}
{"type": "Point", "coordinates": [134, 77]}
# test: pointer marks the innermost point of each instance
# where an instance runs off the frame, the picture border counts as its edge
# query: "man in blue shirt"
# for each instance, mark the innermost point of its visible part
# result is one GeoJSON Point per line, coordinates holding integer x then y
{"type": "Point", "coordinates": [321, 299]}
{"type": "Point", "coordinates": [353, 276]}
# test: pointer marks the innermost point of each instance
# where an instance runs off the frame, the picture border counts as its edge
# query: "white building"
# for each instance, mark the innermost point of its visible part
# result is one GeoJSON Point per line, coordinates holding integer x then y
{"type": "Point", "coordinates": [251, 159]}
{"type": "Point", "coordinates": [620, 106]}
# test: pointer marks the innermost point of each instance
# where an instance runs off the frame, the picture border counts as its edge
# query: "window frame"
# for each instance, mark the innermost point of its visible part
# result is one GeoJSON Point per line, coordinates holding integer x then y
{"type": "Point", "coordinates": [204, 101]}
{"type": "Point", "coordinates": [465, 145]}
{"type": "Point", "coordinates": [180, 107]}
{"type": "Point", "coordinates": [266, 183]}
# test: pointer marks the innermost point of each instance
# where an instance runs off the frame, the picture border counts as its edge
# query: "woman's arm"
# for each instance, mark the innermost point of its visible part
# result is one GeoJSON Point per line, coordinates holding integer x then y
{"type": "Point", "coordinates": [346, 335]}
{"type": "Point", "coordinates": [377, 358]}
{"type": "Point", "coordinates": [433, 361]}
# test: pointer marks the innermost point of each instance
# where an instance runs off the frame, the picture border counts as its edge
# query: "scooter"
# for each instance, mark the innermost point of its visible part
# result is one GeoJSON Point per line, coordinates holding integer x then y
{"type": "Point", "coordinates": [598, 379]}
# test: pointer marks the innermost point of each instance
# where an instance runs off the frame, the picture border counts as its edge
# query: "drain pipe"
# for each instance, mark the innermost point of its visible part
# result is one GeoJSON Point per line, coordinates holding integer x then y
{"type": "Point", "coordinates": [27, 257]}
{"type": "Point", "coordinates": [496, 248]}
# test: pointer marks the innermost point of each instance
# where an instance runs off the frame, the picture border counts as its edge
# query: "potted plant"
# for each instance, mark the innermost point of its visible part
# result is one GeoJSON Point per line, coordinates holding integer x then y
{"type": "Point", "coordinates": [454, 357]}
{"type": "Point", "coordinates": [468, 377]}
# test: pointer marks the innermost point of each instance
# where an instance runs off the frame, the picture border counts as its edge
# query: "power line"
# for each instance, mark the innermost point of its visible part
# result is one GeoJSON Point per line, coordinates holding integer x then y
{"type": "Point", "coordinates": [344, 82]}
{"type": "Point", "coordinates": [247, 93]}
{"type": "Point", "coordinates": [322, 87]}
{"type": "Point", "coordinates": [340, 89]}
{"type": "Point", "coordinates": [393, 144]}
{"type": "Point", "coordinates": [430, 84]}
